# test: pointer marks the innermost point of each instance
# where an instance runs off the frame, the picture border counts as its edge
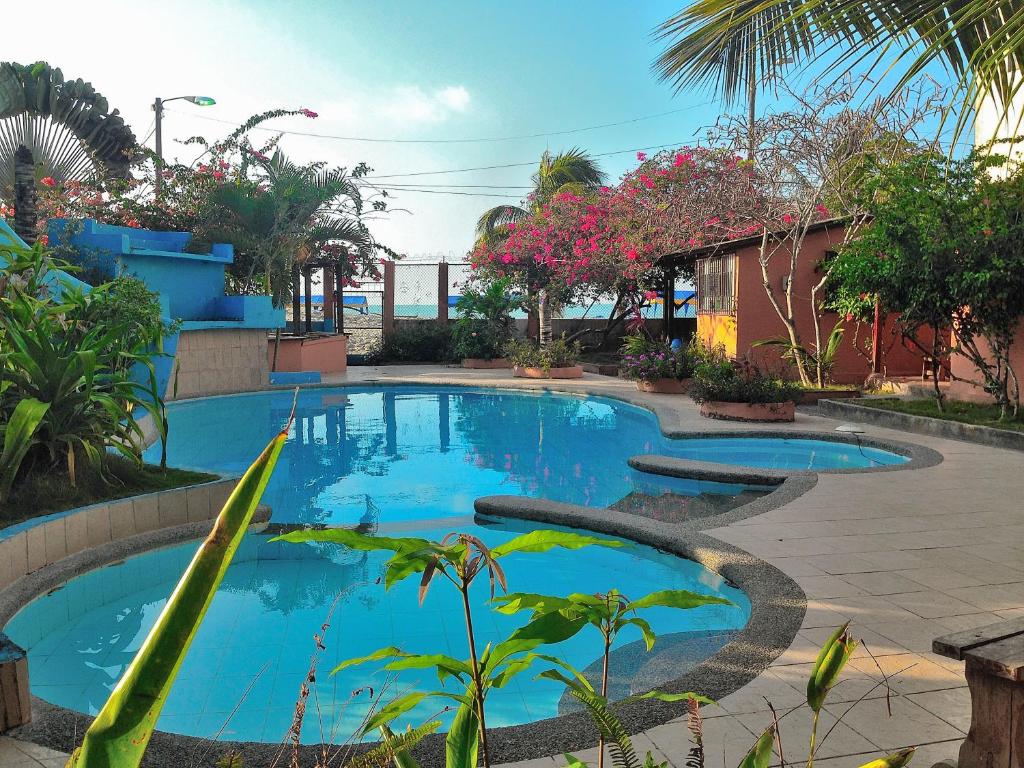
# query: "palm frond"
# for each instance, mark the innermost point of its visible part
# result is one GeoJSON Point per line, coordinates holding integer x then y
{"type": "Point", "coordinates": [611, 728]}
{"type": "Point", "coordinates": [495, 220]}
{"type": "Point", "coordinates": [728, 45]}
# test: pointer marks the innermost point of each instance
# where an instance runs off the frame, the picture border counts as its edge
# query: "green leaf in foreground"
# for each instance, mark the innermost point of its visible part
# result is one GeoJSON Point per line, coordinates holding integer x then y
{"type": "Point", "coordinates": [760, 755]}
{"type": "Point", "coordinates": [120, 733]}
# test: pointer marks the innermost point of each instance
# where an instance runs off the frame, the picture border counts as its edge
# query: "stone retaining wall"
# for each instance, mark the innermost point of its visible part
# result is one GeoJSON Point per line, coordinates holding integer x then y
{"type": "Point", "coordinates": [27, 547]}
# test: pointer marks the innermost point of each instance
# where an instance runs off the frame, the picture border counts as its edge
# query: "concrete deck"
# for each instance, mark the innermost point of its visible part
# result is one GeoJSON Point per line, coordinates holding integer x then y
{"type": "Point", "coordinates": [907, 556]}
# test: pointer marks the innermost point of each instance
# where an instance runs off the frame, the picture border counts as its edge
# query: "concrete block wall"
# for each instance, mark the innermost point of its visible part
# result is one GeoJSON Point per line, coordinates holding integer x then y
{"type": "Point", "coordinates": [213, 361]}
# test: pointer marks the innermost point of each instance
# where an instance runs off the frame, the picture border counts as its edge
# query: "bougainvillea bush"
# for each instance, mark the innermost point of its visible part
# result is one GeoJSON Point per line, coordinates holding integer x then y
{"type": "Point", "coordinates": [591, 246]}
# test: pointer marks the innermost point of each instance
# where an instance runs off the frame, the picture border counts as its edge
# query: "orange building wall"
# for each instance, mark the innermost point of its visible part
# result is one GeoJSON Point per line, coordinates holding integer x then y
{"type": "Point", "coordinates": [962, 368]}
{"type": "Point", "coordinates": [756, 318]}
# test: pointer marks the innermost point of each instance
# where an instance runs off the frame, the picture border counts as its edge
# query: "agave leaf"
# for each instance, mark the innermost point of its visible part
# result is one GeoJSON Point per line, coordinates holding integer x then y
{"type": "Point", "coordinates": [118, 736]}
{"type": "Point", "coordinates": [895, 760]}
{"type": "Point", "coordinates": [542, 541]}
{"type": "Point", "coordinates": [760, 755]}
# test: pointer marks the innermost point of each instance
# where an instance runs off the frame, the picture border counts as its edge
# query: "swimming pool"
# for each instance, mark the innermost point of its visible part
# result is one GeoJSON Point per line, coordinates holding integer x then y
{"type": "Point", "coordinates": [396, 461]}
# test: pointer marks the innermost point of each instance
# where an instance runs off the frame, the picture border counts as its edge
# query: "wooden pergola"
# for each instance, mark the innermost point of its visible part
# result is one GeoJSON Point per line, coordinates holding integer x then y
{"type": "Point", "coordinates": [302, 277]}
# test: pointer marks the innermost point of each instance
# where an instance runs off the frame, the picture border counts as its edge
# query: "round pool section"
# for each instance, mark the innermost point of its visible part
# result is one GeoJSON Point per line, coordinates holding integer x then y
{"type": "Point", "coordinates": [252, 653]}
{"type": "Point", "coordinates": [398, 461]}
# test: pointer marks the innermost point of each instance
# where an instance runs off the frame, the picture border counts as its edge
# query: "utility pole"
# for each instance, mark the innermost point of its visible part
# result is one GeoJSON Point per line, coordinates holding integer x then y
{"type": "Point", "coordinates": [158, 139]}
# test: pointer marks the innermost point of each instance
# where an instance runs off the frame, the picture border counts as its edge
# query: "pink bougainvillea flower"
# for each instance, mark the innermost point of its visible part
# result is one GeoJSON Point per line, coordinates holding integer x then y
{"type": "Point", "coordinates": [218, 175]}
{"type": "Point", "coordinates": [308, 113]}
{"type": "Point", "coordinates": [787, 218]}
{"type": "Point", "coordinates": [48, 181]}
{"type": "Point", "coordinates": [641, 156]}
{"type": "Point", "coordinates": [43, 240]}
{"type": "Point", "coordinates": [820, 207]}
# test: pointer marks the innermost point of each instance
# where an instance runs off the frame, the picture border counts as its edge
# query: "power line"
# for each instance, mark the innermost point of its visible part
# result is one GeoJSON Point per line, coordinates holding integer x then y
{"type": "Point", "coordinates": [476, 140]}
{"type": "Point", "coordinates": [450, 192]}
{"type": "Point", "coordinates": [514, 165]}
{"type": "Point", "coordinates": [399, 185]}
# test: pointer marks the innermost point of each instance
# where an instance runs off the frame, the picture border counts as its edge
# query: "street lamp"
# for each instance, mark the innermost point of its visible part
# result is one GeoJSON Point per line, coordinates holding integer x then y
{"type": "Point", "coordinates": [158, 112]}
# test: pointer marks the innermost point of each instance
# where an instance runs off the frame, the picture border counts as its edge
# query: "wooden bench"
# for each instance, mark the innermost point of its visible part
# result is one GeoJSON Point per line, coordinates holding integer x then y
{"type": "Point", "coordinates": [15, 702]}
{"type": "Point", "coordinates": [994, 657]}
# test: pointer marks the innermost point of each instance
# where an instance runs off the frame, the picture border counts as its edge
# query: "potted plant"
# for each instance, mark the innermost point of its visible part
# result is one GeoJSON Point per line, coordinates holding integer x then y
{"type": "Point", "coordinates": [558, 360]}
{"type": "Point", "coordinates": [485, 325]}
{"type": "Point", "coordinates": [656, 367]}
{"type": "Point", "coordinates": [740, 391]}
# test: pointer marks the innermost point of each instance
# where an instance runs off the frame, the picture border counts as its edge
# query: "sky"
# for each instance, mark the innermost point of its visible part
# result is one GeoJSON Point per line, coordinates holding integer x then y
{"type": "Point", "coordinates": [438, 71]}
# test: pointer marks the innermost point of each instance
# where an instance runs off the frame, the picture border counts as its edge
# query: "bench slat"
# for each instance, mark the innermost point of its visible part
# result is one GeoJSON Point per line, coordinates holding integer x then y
{"type": "Point", "coordinates": [958, 644]}
{"type": "Point", "coordinates": [1003, 659]}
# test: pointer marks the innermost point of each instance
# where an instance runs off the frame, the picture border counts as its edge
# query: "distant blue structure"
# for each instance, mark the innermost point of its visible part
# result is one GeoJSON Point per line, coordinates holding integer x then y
{"type": "Point", "coordinates": [192, 283]}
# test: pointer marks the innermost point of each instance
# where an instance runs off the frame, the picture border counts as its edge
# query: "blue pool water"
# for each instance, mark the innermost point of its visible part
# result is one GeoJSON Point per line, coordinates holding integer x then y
{"type": "Point", "coordinates": [397, 461]}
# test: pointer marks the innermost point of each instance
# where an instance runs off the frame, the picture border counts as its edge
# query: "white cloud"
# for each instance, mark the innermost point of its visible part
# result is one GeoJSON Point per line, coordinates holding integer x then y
{"type": "Point", "coordinates": [455, 97]}
{"type": "Point", "coordinates": [411, 104]}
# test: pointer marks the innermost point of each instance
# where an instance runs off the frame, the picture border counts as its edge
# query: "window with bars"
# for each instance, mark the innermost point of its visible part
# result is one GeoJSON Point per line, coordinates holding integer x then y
{"type": "Point", "coordinates": [716, 284]}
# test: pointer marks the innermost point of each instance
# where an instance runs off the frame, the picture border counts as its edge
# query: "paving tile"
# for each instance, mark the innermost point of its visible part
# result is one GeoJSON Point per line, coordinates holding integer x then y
{"type": "Point", "coordinates": [726, 741]}
{"type": "Point", "coordinates": [931, 604]}
{"type": "Point", "coordinates": [908, 726]}
{"type": "Point", "coordinates": [871, 642]}
{"type": "Point", "coordinates": [795, 731]}
{"type": "Point", "coordinates": [882, 583]}
{"type": "Point", "coordinates": [1000, 597]}
{"type": "Point", "coordinates": [909, 672]}
{"type": "Point", "coordinates": [952, 705]}
{"type": "Point", "coordinates": [769, 686]}
{"type": "Point", "coordinates": [796, 566]}
{"type": "Point", "coordinates": [827, 586]}
{"type": "Point", "coordinates": [939, 578]}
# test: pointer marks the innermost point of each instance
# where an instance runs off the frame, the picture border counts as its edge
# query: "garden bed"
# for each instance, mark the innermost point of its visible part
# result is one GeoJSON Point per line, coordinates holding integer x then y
{"type": "Point", "coordinates": [480, 363]}
{"type": "Point", "coordinates": [922, 417]}
{"type": "Point", "coordinates": [45, 494]}
{"type": "Point", "coordinates": [812, 396]}
{"type": "Point", "coordinates": [766, 412]}
{"type": "Point", "coordinates": [569, 372]}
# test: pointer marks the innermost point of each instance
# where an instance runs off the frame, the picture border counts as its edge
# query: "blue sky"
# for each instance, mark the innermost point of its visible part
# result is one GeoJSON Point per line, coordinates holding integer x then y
{"type": "Point", "coordinates": [437, 70]}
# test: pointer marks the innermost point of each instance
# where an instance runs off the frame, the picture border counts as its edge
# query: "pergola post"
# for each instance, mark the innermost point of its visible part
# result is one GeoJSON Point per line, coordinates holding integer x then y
{"type": "Point", "coordinates": [668, 302]}
{"type": "Point", "coordinates": [329, 314]}
{"type": "Point", "coordinates": [339, 300]}
{"type": "Point", "coordinates": [442, 293]}
{"type": "Point", "coordinates": [307, 279]}
{"type": "Point", "coordinates": [388, 308]}
{"type": "Point", "coordinates": [296, 305]}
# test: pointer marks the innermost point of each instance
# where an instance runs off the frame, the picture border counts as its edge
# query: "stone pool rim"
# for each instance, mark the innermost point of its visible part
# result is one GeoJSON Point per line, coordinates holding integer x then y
{"type": "Point", "coordinates": [777, 603]}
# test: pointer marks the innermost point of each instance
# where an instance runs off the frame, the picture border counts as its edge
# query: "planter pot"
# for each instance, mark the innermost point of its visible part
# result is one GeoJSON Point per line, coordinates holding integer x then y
{"type": "Point", "coordinates": [748, 411]}
{"type": "Point", "coordinates": [481, 363]}
{"type": "Point", "coordinates": [812, 396]}
{"type": "Point", "coordinates": [572, 372]}
{"type": "Point", "coordinates": [665, 386]}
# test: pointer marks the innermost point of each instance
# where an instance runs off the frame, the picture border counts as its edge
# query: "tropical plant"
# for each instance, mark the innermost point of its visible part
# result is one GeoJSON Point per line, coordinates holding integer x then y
{"type": "Point", "coordinates": [485, 321]}
{"type": "Point", "coordinates": [646, 360]}
{"type": "Point", "coordinates": [735, 47]}
{"type": "Point", "coordinates": [118, 737]}
{"type": "Point", "coordinates": [719, 379]}
{"type": "Point", "coordinates": [609, 613]}
{"type": "Point", "coordinates": [54, 130]}
{"type": "Point", "coordinates": [558, 354]}
{"type": "Point", "coordinates": [18, 437]}
{"type": "Point", "coordinates": [74, 350]}
{"type": "Point", "coordinates": [460, 558]}
{"type": "Point", "coordinates": [810, 359]}
{"type": "Point", "coordinates": [574, 171]}
{"type": "Point", "coordinates": [415, 342]}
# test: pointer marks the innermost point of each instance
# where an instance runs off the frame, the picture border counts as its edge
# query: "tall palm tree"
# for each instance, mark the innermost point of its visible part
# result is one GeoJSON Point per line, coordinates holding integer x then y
{"type": "Point", "coordinates": [573, 169]}
{"type": "Point", "coordinates": [734, 45]}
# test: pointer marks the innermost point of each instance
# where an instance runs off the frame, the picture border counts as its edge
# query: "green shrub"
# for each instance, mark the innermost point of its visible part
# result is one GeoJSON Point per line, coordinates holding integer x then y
{"type": "Point", "coordinates": [719, 379]}
{"type": "Point", "coordinates": [421, 342]}
{"type": "Point", "coordinates": [485, 323]}
{"type": "Point", "coordinates": [558, 354]}
{"type": "Point", "coordinates": [645, 359]}
{"type": "Point", "coordinates": [473, 337]}
{"type": "Point", "coordinates": [74, 353]}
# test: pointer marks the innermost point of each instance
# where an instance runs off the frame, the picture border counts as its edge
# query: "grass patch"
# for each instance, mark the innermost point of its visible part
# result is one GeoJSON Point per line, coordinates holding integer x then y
{"type": "Point", "coordinates": [41, 493]}
{"type": "Point", "coordinates": [981, 414]}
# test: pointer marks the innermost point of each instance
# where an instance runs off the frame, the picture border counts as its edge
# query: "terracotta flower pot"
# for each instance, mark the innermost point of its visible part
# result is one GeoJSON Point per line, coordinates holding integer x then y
{"type": "Point", "coordinates": [664, 386]}
{"type": "Point", "coordinates": [481, 363]}
{"type": "Point", "coordinates": [572, 372]}
{"type": "Point", "coordinates": [749, 411]}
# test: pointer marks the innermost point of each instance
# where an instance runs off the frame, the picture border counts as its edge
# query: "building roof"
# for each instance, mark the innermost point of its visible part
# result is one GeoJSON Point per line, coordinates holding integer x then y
{"type": "Point", "coordinates": [744, 242]}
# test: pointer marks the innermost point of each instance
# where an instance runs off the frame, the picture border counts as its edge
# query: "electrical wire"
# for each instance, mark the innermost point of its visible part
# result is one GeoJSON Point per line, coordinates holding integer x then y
{"type": "Point", "coordinates": [475, 140]}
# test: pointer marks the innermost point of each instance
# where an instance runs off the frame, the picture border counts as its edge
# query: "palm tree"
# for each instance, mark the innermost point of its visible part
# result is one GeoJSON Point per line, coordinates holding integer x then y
{"type": "Point", "coordinates": [287, 216]}
{"type": "Point", "coordinates": [574, 170]}
{"type": "Point", "coordinates": [734, 46]}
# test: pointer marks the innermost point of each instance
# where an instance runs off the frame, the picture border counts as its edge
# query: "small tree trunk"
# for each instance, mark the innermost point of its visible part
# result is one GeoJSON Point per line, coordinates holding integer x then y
{"type": "Point", "coordinates": [25, 211]}
{"type": "Point", "coordinates": [277, 346]}
{"type": "Point", "coordinates": [936, 364]}
{"type": "Point", "coordinates": [544, 315]}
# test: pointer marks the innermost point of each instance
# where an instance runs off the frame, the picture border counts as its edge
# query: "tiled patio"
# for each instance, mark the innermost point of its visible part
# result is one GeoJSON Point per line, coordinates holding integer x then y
{"type": "Point", "coordinates": [906, 556]}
